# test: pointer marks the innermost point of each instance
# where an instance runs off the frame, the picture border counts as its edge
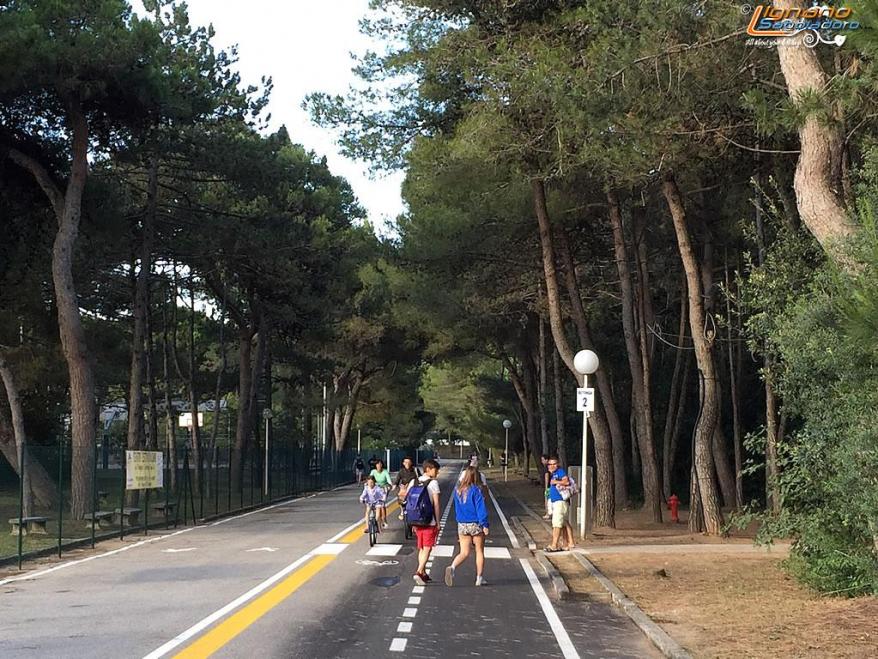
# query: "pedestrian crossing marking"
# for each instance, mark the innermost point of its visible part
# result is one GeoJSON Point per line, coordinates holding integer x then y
{"type": "Point", "coordinates": [330, 549]}
{"type": "Point", "coordinates": [439, 551]}
{"type": "Point", "coordinates": [384, 550]}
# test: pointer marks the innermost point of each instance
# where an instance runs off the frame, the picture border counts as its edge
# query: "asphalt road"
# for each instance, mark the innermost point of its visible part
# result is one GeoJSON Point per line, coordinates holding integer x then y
{"type": "Point", "coordinates": [299, 580]}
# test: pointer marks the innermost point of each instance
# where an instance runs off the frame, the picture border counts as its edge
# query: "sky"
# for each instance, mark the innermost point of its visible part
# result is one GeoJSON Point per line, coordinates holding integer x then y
{"type": "Point", "coordinates": [304, 46]}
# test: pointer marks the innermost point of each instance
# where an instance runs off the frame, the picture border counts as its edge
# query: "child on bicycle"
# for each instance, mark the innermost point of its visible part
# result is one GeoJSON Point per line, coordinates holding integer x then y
{"type": "Point", "coordinates": [372, 495]}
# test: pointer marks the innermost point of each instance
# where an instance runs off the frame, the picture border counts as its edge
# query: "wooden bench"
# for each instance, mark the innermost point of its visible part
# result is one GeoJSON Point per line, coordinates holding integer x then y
{"type": "Point", "coordinates": [103, 519]}
{"type": "Point", "coordinates": [130, 516]}
{"type": "Point", "coordinates": [31, 525]}
{"type": "Point", "coordinates": [163, 508]}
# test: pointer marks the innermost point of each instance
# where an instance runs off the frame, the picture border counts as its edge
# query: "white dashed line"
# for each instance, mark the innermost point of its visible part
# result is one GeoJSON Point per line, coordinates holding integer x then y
{"type": "Point", "coordinates": [398, 645]}
{"type": "Point", "coordinates": [409, 612]}
{"type": "Point", "coordinates": [417, 590]}
{"type": "Point", "coordinates": [414, 601]}
{"type": "Point", "coordinates": [404, 627]}
{"type": "Point", "coordinates": [567, 647]}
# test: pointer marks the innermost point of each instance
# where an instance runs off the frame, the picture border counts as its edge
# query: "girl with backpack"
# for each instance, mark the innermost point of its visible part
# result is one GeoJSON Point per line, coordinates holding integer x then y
{"type": "Point", "coordinates": [472, 523]}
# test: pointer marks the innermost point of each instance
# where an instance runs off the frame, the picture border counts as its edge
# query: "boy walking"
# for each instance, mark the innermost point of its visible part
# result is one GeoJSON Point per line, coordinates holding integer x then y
{"type": "Point", "coordinates": [428, 533]}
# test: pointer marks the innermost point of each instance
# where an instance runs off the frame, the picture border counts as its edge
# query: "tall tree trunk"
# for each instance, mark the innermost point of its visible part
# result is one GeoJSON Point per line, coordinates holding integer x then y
{"type": "Point", "coordinates": [724, 472]}
{"type": "Point", "coordinates": [607, 398]}
{"type": "Point", "coordinates": [719, 445]}
{"type": "Point", "coordinates": [675, 393]}
{"type": "Point", "coordinates": [170, 414]}
{"type": "Point", "coordinates": [678, 414]}
{"type": "Point", "coordinates": [818, 184]}
{"type": "Point", "coordinates": [541, 390]}
{"type": "Point", "coordinates": [152, 437]}
{"type": "Point", "coordinates": [707, 420]}
{"type": "Point", "coordinates": [243, 427]}
{"type": "Point", "coordinates": [197, 457]}
{"type": "Point", "coordinates": [210, 449]}
{"type": "Point", "coordinates": [17, 413]}
{"type": "Point", "coordinates": [136, 432]}
{"type": "Point", "coordinates": [42, 488]}
{"type": "Point", "coordinates": [605, 502]}
{"type": "Point", "coordinates": [560, 431]}
{"type": "Point", "coordinates": [772, 439]}
{"type": "Point", "coordinates": [68, 210]}
{"type": "Point", "coordinates": [642, 411]}
{"type": "Point", "coordinates": [734, 388]}
{"type": "Point", "coordinates": [525, 398]}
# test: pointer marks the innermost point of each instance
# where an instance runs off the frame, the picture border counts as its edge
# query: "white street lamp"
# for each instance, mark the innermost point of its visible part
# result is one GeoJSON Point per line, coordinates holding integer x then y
{"type": "Point", "coordinates": [585, 362]}
{"type": "Point", "coordinates": [507, 424]}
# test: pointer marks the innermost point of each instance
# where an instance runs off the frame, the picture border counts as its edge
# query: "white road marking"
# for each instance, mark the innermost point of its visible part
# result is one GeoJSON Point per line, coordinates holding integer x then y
{"type": "Point", "coordinates": [384, 550]}
{"type": "Point", "coordinates": [330, 548]}
{"type": "Point", "coordinates": [509, 532]}
{"type": "Point", "coordinates": [398, 644]}
{"type": "Point", "coordinates": [268, 549]}
{"type": "Point", "coordinates": [443, 551]}
{"type": "Point", "coordinates": [567, 647]}
{"type": "Point", "coordinates": [366, 561]}
{"type": "Point", "coordinates": [414, 601]}
{"type": "Point", "coordinates": [404, 627]}
{"type": "Point", "coordinates": [171, 550]}
{"type": "Point", "coordinates": [409, 612]}
{"type": "Point", "coordinates": [113, 552]}
{"type": "Point", "coordinates": [497, 552]}
{"type": "Point", "coordinates": [231, 606]}
{"type": "Point", "coordinates": [418, 590]}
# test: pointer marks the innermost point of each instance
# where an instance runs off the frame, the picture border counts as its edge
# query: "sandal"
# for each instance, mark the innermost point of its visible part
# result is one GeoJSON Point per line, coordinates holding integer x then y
{"type": "Point", "coordinates": [551, 550]}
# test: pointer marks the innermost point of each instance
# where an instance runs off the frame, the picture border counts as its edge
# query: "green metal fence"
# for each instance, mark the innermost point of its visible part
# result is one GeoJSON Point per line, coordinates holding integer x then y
{"type": "Point", "coordinates": [224, 483]}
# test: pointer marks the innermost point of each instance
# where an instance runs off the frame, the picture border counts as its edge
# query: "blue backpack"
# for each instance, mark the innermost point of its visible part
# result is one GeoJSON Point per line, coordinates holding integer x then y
{"type": "Point", "coordinates": [418, 506]}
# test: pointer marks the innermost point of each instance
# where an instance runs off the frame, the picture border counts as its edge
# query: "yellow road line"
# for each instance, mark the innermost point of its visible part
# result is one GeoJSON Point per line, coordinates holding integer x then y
{"type": "Point", "coordinates": [232, 626]}
{"type": "Point", "coordinates": [224, 632]}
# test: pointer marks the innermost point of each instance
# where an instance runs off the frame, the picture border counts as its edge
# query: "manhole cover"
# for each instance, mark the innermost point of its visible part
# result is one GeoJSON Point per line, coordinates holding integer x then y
{"type": "Point", "coordinates": [385, 582]}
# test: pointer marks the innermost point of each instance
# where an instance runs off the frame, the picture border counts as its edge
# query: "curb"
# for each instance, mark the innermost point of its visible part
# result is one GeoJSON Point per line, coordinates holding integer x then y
{"type": "Point", "coordinates": [558, 583]}
{"type": "Point", "coordinates": [659, 637]}
{"type": "Point", "coordinates": [519, 527]}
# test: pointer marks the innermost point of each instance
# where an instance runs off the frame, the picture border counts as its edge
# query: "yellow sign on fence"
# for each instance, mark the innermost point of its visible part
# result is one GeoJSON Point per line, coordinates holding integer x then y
{"type": "Point", "coordinates": [144, 470]}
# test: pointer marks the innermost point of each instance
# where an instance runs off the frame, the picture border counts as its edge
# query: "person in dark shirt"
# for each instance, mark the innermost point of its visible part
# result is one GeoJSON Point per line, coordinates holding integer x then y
{"type": "Point", "coordinates": [404, 477]}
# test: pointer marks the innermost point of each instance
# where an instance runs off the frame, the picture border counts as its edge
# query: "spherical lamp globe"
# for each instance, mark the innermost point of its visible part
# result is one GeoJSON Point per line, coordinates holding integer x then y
{"type": "Point", "coordinates": [586, 362]}
{"type": "Point", "coordinates": [507, 424]}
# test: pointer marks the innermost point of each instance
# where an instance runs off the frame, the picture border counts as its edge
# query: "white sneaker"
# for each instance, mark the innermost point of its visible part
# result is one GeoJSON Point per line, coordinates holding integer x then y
{"type": "Point", "coordinates": [385, 525]}
{"type": "Point", "coordinates": [480, 581]}
{"type": "Point", "coordinates": [449, 576]}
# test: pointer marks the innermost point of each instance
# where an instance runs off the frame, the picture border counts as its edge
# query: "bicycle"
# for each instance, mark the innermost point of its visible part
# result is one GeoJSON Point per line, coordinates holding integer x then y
{"type": "Point", "coordinates": [372, 526]}
{"type": "Point", "coordinates": [409, 534]}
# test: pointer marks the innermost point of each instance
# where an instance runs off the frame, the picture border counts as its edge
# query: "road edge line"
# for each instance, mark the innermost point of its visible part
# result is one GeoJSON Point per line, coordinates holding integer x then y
{"type": "Point", "coordinates": [512, 537]}
{"type": "Point", "coordinates": [567, 648]}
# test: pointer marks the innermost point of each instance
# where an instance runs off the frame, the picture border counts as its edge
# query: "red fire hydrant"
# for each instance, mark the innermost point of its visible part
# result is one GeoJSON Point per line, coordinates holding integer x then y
{"type": "Point", "coordinates": [673, 505]}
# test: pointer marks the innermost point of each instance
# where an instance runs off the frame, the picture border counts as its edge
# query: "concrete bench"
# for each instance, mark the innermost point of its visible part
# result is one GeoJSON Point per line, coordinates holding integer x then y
{"type": "Point", "coordinates": [163, 508]}
{"type": "Point", "coordinates": [31, 525]}
{"type": "Point", "coordinates": [129, 516]}
{"type": "Point", "coordinates": [102, 518]}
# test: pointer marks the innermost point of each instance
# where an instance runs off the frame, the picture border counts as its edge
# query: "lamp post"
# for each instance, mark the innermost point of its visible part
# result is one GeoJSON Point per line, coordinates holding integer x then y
{"type": "Point", "coordinates": [507, 424]}
{"type": "Point", "coordinates": [266, 414]}
{"type": "Point", "coordinates": [359, 436]}
{"type": "Point", "coordinates": [585, 362]}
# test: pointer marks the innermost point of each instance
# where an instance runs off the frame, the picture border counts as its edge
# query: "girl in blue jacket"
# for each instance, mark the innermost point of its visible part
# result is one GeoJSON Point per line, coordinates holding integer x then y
{"type": "Point", "coordinates": [472, 523]}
